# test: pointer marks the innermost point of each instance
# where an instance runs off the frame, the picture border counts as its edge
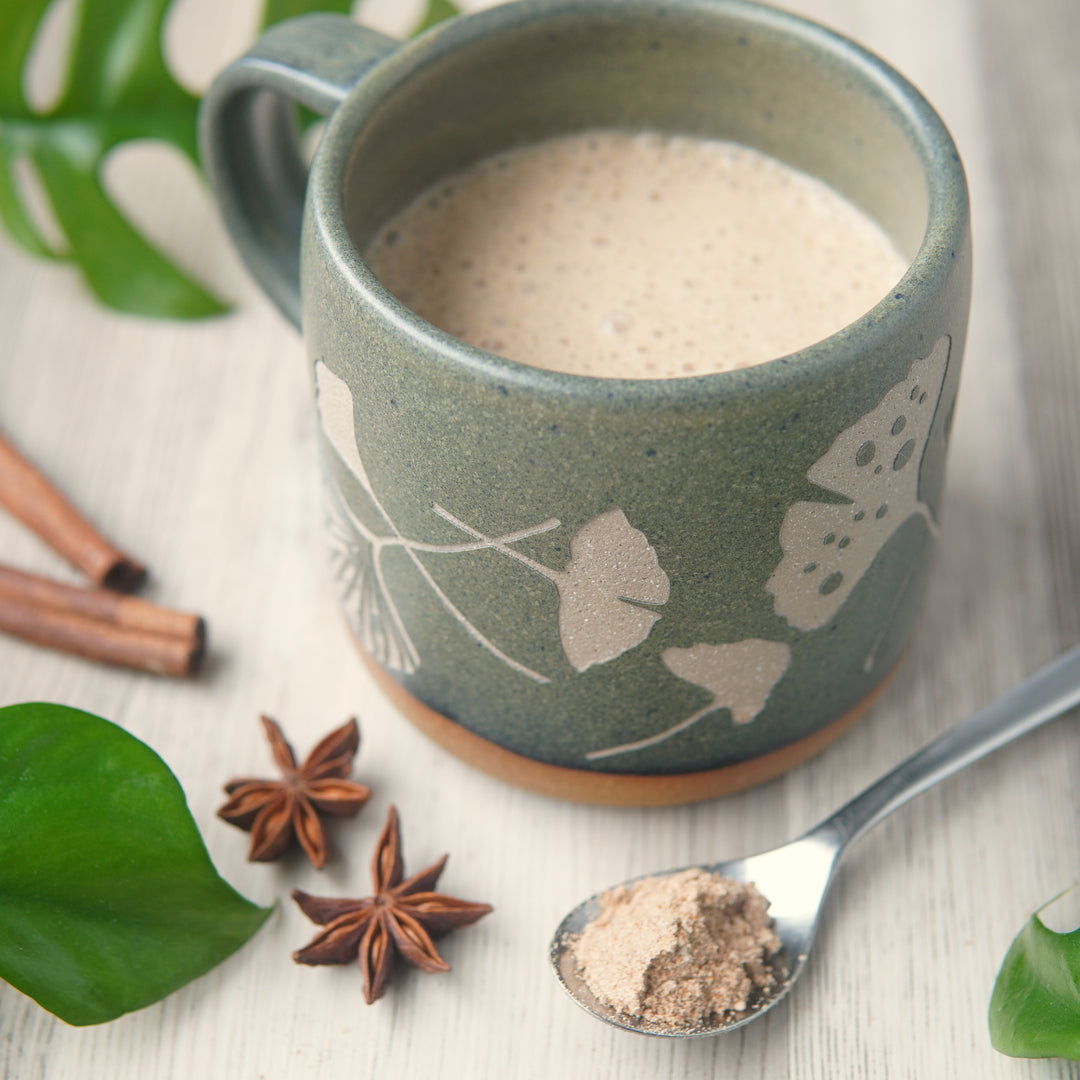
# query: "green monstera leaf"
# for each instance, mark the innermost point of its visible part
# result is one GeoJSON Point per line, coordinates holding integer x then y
{"type": "Point", "coordinates": [108, 898]}
{"type": "Point", "coordinates": [436, 12]}
{"type": "Point", "coordinates": [116, 88]}
{"type": "Point", "coordinates": [1035, 1006]}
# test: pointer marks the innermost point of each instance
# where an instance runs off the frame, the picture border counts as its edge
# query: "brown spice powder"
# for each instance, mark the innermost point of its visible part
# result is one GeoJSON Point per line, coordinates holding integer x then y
{"type": "Point", "coordinates": [684, 950]}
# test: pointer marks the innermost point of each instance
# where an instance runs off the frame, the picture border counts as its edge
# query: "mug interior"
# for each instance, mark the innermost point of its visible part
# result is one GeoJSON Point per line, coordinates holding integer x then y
{"type": "Point", "coordinates": [728, 70]}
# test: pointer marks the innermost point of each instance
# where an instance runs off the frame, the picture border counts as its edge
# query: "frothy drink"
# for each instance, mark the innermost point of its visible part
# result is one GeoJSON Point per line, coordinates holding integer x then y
{"type": "Point", "coordinates": [635, 256]}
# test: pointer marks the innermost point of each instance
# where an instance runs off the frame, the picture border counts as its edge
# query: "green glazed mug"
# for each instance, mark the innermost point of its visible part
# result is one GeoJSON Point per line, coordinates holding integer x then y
{"type": "Point", "coordinates": [611, 590]}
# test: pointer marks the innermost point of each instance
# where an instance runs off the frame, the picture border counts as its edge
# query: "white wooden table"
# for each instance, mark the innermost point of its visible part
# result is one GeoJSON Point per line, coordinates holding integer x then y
{"type": "Point", "coordinates": [193, 445]}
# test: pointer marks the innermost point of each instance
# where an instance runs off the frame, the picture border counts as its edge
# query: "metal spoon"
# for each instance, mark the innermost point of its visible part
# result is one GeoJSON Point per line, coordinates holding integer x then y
{"type": "Point", "coordinates": [796, 877]}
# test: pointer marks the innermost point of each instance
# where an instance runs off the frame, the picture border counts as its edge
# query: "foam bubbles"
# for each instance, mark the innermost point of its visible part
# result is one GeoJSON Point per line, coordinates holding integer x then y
{"type": "Point", "coordinates": [641, 255]}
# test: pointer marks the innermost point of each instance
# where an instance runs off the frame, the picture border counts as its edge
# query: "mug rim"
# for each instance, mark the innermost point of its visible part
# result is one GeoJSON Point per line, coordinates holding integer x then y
{"type": "Point", "coordinates": [943, 238]}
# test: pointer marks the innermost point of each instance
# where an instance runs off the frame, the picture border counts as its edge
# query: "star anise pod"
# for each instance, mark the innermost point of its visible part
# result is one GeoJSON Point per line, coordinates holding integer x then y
{"type": "Point", "coordinates": [276, 810]}
{"type": "Point", "coordinates": [402, 917]}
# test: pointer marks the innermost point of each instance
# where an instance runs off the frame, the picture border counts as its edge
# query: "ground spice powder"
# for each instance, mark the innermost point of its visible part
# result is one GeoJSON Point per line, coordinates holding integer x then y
{"type": "Point", "coordinates": [684, 950]}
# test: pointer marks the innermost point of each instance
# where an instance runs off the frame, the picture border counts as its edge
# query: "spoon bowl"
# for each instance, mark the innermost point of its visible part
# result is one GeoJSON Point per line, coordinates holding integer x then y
{"type": "Point", "coordinates": [795, 878]}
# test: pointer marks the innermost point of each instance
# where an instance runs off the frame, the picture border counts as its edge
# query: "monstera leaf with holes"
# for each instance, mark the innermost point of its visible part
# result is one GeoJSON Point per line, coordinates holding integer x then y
{"type": "Point", "coordinates": [116, 88]}
{"type": "Point", "coordinates": [1035, 1007]}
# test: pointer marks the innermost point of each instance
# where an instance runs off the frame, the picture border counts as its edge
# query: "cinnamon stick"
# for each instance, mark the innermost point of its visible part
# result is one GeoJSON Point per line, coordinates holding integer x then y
{"type": "Point", "coordinates": [36, 502]}
{"type": "Point", "coordinates": [100, 625]}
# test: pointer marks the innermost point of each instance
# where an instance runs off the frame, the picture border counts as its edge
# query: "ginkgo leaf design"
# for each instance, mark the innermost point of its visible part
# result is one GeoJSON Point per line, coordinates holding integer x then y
{"type": "Point", "coordinates": [369, 609]}
{"type": "Point", "coordinates": [335, 403]}
{"type": "Point", "coordinates": [740, 676]}
{"type": "Point", "coordinates": [612, 569]}
{"type": "Point", "coordinates": [875, 464]}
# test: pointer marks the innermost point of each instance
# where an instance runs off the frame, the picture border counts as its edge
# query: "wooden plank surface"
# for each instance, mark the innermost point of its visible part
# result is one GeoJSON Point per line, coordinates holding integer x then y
{"type": "Point", "coordinates": [194, 447]}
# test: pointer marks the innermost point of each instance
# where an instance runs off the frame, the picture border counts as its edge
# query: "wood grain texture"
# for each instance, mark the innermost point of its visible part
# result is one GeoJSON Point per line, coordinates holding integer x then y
{"type": "Point", "coordinates": [194, 446]}
{"type": "Point", "coordinates": [1036, 142]}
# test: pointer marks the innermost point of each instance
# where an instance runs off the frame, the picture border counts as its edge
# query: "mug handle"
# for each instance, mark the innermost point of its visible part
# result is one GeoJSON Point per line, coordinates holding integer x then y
{"type": "Point", "coordinates": [249, 139]}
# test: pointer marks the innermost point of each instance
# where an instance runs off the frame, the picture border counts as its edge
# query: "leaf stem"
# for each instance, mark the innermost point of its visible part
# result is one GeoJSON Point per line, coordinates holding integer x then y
{"type": "Point", "coordinates": [468, 626]}
{"type": "Point", "coordinates": [376, 566]}
{"type": "Point", "coordinates": [379, 544]}
{"type": "Point", "coordinates": [652, 740]}
{"type": "Point", "coordinates": [499, 543]}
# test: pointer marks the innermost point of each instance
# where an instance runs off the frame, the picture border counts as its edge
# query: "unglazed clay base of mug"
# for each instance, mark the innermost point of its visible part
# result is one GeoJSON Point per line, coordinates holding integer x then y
{"type": "Point", "coordinates": [604, 788]}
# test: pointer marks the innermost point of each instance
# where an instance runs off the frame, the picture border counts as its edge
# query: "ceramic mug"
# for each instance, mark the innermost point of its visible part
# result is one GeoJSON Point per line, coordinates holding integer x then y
{"type": "Point", "coordinates": [611, 590]}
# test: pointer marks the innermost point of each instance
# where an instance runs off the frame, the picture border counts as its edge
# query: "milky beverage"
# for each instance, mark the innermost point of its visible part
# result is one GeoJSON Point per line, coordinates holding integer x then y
{"type": "Point", "coordinates": [635, 256]}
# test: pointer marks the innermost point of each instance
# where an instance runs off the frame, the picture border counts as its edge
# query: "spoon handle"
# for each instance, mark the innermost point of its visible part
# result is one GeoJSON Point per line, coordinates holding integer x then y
{"type": "Point", "coordinates": [1054, 690]}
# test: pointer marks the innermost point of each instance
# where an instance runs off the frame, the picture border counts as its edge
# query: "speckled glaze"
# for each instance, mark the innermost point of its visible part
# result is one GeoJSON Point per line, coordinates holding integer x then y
{"type": "Point", "coordinates": [483, 512]}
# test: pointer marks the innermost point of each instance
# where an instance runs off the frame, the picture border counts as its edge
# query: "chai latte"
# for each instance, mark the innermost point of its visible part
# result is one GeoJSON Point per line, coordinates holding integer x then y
{"type": "Point", "coordinates": [635, 256]}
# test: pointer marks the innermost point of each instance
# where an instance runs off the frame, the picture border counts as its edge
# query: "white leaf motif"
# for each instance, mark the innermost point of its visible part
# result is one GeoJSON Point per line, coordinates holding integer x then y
{"type": "Point", "coordinates": [875, 463]}
{"type": "Point", "coordinates": [740, 676]}
{"type": "Point", "coordinates": [369, 609]}
{"type": "Point", "coordinates": [335, 403]}
{"type": "Point", "coordinates": [612, 569]}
